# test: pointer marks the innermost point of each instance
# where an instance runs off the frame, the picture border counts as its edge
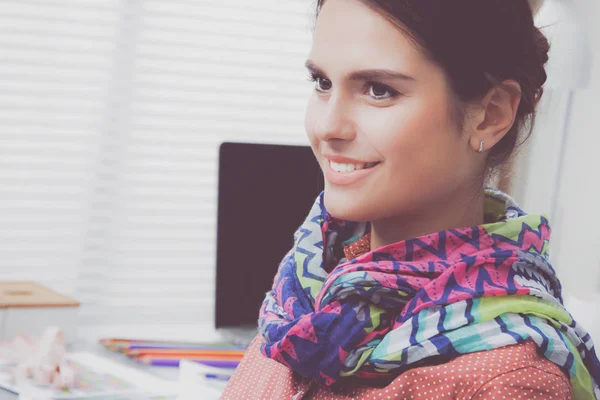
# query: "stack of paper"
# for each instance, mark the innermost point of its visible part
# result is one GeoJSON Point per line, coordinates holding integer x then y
{"type": "Point", "coordinates": [199, 378]}
{"type": "Point", "coordinates": [97, 378]}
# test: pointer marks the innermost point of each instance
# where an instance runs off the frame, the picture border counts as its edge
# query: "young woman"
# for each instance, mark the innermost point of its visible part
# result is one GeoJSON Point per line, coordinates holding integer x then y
{"type": "Point", "coordinates": [409, 279]}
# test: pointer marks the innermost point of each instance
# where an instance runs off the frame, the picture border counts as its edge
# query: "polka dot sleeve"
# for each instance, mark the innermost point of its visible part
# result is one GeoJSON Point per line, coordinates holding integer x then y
{"type": "Point", "coordinates": [526, 383]}
{"type": "Point", "coordinates": [512, 372]}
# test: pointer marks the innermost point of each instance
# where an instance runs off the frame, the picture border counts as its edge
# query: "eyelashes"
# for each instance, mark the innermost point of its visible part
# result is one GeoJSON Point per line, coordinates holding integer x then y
{"type": "Point", "coordinates": [370, 88]}
{"type": "Point", "coordinates": [316, 78]}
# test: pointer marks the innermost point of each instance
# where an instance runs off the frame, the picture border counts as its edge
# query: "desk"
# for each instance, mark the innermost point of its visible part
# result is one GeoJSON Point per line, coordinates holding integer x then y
{"type": "Point", "coordinates": [164, 373]}
{"type": "Point", "coordinates": [88, 342]}
{"type": "Point", "coordinates": [168, 373]}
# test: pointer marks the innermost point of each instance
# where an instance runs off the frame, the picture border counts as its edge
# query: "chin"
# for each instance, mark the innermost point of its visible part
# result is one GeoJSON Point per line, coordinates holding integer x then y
{"type": "Point", "coordinates": [347, 207]}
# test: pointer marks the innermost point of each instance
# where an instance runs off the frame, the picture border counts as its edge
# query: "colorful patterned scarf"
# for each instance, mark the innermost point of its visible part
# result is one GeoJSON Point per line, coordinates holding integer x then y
{"type": "Point", "coordinates": [441, 295]}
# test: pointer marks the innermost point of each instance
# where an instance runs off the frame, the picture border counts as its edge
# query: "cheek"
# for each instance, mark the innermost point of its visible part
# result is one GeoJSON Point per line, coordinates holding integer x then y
{"type": "Point", "coordinates": [311, 118]}
{"type": "Point", "coordinates": [420, 143]}
{"type": "Point", "coordinates": [413, 130]}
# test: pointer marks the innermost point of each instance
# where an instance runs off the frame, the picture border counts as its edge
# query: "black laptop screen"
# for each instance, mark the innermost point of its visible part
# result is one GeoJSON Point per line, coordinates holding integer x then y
{"type": "Point", "coordinates": [265, 192]}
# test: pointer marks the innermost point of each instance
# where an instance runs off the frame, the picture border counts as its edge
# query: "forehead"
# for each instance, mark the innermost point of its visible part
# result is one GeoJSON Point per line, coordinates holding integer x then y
{"type": "Point", "coordinates": [351, 35]}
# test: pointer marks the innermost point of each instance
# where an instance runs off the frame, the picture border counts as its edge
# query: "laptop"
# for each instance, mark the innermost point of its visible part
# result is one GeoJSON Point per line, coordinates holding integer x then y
{"type": "Point", "coordinates": [265, 192]}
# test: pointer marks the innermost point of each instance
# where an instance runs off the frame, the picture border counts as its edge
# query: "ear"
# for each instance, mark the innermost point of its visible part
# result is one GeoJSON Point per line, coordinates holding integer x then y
{"type": "Point", "coordinates": [495, 115]}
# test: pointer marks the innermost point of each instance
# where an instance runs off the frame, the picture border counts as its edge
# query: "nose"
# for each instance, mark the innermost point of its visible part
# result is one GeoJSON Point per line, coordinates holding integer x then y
{"type": "Point", "coordinates": [336, 121]}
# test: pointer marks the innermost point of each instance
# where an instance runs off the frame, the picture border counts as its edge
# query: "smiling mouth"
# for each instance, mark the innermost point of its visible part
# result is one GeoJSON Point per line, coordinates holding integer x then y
{"type": "Point", "coordinates": [347, 168]}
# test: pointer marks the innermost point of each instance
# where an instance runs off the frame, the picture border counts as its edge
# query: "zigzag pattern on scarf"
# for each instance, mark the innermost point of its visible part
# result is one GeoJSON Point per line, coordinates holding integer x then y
{"type": "Point", "coordinates": [445, 294]}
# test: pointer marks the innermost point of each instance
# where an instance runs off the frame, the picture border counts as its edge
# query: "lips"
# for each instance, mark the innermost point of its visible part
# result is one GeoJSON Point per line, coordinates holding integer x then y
{"type": "Point", "coordinates": [348, 173]}
{"type": "Point", "coordinates": [350, 167]}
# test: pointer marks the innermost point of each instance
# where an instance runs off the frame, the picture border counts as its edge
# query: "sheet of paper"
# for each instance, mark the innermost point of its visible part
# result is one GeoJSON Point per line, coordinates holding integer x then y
{"type": "Point", "coordinates": [130, 396]}
{"type": "Point", "coordinates": [97, 378]}
{"type": "Point", "coordinates": [193, 380]}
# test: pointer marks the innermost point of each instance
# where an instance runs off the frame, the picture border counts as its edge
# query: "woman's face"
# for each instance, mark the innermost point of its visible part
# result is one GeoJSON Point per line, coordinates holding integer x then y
{"type": "Point", "coordinates": [379, 120]}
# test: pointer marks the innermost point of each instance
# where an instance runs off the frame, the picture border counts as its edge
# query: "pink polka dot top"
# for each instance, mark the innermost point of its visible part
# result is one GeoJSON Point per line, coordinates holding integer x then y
{"type": "Point", "coordinates": [513, 372]}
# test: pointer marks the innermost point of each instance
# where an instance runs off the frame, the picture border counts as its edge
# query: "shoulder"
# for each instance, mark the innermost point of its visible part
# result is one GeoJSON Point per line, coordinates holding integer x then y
{"type": "Point", "coordinates": [258, 377]}
{"type": "Point", "coordinates": [509, 372]}
{"type": "Point", "coordinates": [527, 382]}
{"type": "Point", "coordinates": [512, 372]}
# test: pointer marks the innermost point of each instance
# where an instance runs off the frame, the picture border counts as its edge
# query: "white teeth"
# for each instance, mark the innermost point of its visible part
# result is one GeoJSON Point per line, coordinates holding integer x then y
{"type": "Point", "coordinates": [338, 167]}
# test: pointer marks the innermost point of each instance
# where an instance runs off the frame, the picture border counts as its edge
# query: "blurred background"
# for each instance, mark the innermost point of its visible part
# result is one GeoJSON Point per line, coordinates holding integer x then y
{"type": "Point", "coordinates": [112, 111]}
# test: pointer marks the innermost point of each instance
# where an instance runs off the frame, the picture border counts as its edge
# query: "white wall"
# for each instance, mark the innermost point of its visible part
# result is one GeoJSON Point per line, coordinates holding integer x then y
{"type": "Point", "coordinates": [579, 192]}
{"type": "Point", "coordinates": [559, 172]}
{"type": "Point", "coordinates": [558, 175]}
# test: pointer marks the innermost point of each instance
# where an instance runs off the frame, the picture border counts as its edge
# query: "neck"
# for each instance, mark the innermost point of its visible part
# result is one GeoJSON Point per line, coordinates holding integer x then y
{"type": "Point", "coordinates": [458, 212]}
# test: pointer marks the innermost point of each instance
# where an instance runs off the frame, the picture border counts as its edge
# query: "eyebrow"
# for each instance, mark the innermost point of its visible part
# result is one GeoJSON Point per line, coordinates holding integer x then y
{"type": "Point", "coordinates": [365, 75]}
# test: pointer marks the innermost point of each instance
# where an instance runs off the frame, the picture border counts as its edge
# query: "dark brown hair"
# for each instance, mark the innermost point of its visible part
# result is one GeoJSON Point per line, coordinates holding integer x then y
{"type": "Point", "coordinates": [479, 44]}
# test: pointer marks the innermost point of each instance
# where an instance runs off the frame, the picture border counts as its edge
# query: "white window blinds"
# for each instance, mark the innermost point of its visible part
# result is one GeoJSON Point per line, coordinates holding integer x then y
{"type": "Point", "coordinates": [55, 75]}
{"type": "Point", "coordinates": [112, 113]}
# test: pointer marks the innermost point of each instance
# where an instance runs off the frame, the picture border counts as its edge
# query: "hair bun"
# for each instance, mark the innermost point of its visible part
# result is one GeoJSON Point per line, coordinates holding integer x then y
{"type": "Point", "coordinates": [541, 48]}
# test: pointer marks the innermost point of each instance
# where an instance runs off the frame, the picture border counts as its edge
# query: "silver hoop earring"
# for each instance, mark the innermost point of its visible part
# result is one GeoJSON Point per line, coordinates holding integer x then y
{"type": "Point", "coordinates": [481, 147]}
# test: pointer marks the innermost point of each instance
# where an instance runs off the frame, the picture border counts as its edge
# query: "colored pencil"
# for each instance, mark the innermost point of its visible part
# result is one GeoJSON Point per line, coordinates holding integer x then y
{"type": "Point", "coordinates": [177, 353]}
{"type": "Point", "coordinates": [123, 340]}
{"type": "Point", "coordinates": [165, 342]}
{"type": "Point", "coordinates": [165, 353]}
{"type": "Point", "coordinates": [186, 357]}
{"type": "Point", "coordinates": [181, 357]}
{"type": "Point", "coordinates": [123, 345]}
{"type": "Point", "coordinates": [219, 377]}
{"type": "Point", "coordinates": [185, 347]}
{"type": "Point", "coordinates": [175, 362]}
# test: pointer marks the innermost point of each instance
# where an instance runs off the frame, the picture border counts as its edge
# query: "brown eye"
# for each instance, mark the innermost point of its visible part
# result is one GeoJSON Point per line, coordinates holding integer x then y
{"type": "Point", "coordinates": [323, 85]}
{"type": "Point", "coordinates": [379, 91]}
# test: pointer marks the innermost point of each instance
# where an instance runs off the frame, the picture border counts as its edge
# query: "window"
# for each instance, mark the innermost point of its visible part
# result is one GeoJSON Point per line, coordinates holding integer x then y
{"type": "Point", "coordinates": [112, 113]}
